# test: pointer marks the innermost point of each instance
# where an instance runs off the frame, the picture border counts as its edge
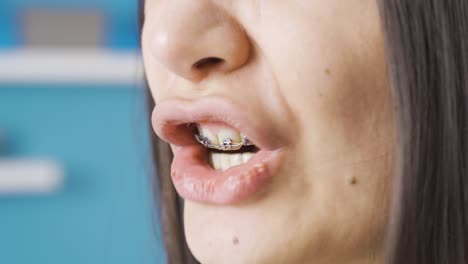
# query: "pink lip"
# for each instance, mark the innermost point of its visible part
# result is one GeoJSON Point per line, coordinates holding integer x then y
{"type": "Point", "coordinates": [193, 177]}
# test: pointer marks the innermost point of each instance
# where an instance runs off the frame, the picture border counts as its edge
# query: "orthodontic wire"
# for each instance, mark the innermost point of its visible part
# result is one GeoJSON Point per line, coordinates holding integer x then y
{"type": "Point", "coordinates": [225, 145]}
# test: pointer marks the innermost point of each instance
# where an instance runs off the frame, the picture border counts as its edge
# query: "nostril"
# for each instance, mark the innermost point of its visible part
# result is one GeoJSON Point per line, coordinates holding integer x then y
{"type": "Point", "coordinates": [208, 63]}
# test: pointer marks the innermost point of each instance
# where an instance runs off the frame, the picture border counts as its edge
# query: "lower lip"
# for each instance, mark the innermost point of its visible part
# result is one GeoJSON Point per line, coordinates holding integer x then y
{"type": "Point", "coordinates": [195, 180]}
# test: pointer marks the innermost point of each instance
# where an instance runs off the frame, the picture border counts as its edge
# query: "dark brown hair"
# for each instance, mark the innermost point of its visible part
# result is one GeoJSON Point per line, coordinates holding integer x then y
{"type": "Point", "coordinates": [427, 50]}
{"type": "Point", "coordinates": [427, 44]}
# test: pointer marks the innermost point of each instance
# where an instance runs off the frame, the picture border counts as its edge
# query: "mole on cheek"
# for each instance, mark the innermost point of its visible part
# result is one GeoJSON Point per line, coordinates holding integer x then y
{"type": "Point", "coordinates": [327, 71]}
{"type": "Point", "coordinates": [352, 180]}
{"type": "Point", "coordinates": [235, 241]}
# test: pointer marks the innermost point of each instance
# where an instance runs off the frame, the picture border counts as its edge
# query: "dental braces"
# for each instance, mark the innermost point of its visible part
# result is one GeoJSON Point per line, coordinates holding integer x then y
{"type": "Point", "coordinates": [227, 144]}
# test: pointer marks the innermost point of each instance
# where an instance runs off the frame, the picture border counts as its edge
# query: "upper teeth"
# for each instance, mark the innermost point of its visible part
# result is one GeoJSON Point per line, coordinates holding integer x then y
{"type": "Point", "coordinates": [225, 139]}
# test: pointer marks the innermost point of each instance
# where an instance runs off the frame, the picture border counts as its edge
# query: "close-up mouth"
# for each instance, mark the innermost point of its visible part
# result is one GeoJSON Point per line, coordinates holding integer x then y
{"type": "Point", "coordinates": [220, 156]}
{"type": "Point", "coordinates": [225, 147]}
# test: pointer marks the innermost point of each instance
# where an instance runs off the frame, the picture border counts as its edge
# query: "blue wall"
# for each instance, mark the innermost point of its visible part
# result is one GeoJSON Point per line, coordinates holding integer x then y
{"type": "Point", "coordinates": [104, 214]}
{"type": "Point", "coordinates": [121, 18]}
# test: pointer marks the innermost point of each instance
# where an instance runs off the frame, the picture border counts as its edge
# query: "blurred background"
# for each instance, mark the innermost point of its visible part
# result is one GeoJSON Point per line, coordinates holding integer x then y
{"type": "Point", "coordinates": [75, 161]}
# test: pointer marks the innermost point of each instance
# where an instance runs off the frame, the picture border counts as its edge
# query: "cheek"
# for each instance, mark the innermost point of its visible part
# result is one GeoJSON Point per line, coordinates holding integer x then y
{"type": "Point", "coordinates": [331, 71]}
{"type": "Point", "coordinates": [333, 77]}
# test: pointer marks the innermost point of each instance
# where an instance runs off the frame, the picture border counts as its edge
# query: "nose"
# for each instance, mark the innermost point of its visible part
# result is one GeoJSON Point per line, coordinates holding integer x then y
{"type": "Point", "coordinates": [194, 39]}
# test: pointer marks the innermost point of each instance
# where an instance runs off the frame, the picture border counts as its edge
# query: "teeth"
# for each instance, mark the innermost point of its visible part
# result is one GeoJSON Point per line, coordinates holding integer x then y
{"type": "Point", "coordinates": [208, 134]}
{"type": "Point", "coordinates": [224, 161]}
{"type": "Point", "coordinates": [226, 133]}
{"type": "Point", "coordinates": [247, 156]}
{"type": "Point", "coordinates": [214, 160]}
{"type": "Point", "coordinates": [236, 160]}
{"type": "Point", "coordinates": [227, 137]}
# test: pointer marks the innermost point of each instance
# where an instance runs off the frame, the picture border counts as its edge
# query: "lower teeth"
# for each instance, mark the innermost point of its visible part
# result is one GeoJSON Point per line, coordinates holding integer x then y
{"type": "Point", "coordinates": [224, 161]}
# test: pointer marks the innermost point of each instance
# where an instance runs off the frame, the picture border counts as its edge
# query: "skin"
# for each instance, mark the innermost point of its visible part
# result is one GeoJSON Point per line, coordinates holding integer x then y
{"type": "Point", "coordinates": [319, 69]}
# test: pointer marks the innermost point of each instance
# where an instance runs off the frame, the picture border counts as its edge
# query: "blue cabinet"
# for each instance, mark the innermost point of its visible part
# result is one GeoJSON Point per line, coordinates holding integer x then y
{"type": "Point", "coordinates": [120, 19]}
{"type": "Point", "coordinates": [104, 213]}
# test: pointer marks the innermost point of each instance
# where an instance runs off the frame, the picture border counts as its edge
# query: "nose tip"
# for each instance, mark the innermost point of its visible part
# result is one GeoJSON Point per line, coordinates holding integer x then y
{"type": "Point", "coordinates": [198, 40]}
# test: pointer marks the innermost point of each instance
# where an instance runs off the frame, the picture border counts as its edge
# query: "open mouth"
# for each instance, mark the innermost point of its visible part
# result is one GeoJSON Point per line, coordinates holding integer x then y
{"type": "Point", "coordinates": [226, 147]}
{"type": "Point", "coordinates": [221, 155]}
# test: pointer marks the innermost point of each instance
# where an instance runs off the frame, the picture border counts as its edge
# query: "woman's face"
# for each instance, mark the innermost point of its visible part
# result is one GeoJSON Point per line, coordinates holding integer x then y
{"type": "Point", "coordinates": [307, 79]}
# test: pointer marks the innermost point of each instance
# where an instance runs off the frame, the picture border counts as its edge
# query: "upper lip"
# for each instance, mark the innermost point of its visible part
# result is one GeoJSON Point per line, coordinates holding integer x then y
{"type": "Point", "coordinates": [171, 116]}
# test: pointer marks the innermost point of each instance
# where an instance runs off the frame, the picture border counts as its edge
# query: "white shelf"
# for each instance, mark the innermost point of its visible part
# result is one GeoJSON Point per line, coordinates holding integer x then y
{"type": "Point", "coordinates": [76, 66]}
{"type": "Point", "coordinates": [26, 177]}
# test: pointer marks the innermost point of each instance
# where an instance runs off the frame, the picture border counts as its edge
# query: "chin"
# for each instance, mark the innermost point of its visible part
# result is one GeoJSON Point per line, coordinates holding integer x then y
{"type": "Point", "coordinates": [218, 235]}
